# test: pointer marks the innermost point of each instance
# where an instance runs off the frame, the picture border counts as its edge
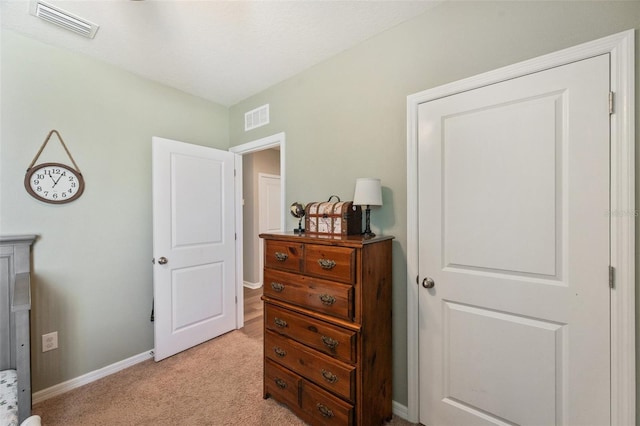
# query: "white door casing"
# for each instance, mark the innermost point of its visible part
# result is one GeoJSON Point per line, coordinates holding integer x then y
{"type": "Point", "coordinates": [468, 320]}
{"type": "Point", "coordinates": [193, 230]}
{"type": "Point", "coordinates": [278, 141]}
{"type": "Point", "coordinates": [269, 212]}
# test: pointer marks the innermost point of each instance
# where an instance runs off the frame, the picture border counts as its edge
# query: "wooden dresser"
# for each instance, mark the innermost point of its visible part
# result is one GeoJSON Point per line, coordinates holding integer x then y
{"type": "Point", "coordinates": [327, 320]}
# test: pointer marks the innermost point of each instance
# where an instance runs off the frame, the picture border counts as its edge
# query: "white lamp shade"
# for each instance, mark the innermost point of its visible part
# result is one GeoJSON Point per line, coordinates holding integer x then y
{"type": "Point", "coordinates": [368, 192]}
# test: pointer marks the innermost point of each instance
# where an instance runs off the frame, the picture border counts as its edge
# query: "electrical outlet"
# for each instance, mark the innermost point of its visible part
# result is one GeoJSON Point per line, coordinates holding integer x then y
{"type": "Point", "coordinates": [49, 341]}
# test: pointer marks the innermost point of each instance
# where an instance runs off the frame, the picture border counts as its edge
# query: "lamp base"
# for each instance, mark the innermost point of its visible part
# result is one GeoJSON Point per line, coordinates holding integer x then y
{"type": "Point", "coordinates": [367, 230]}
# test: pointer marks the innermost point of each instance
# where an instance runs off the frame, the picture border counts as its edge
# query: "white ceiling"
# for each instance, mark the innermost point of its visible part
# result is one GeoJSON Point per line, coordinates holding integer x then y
{"type": "Point", "coordinates": [224, 51]}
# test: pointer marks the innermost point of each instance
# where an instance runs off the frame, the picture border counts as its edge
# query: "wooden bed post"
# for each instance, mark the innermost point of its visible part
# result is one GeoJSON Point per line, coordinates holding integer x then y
{"type": "Point", "coordinates": [15, 308]}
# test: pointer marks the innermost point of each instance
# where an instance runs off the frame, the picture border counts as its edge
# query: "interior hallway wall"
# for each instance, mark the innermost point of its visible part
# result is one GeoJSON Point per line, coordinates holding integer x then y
{"type": "Point", "coordinates": [265, 161]}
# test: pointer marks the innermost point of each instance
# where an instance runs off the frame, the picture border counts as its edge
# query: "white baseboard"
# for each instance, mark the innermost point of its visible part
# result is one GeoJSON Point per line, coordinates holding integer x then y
{"type": "Point", "coordinates": [252, 286]}
{"type": "Point", "coordinates": [400, 410]}
{"type": "Point", "coordinates": [89, 377]}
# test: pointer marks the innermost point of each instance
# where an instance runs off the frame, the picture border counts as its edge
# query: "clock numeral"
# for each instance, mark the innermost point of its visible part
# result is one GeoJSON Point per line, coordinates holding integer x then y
{"type": "Point", "coordinates": [46, 193]}
{"type": "Point", "coordinates": [70, 191]}
{"type": "Point", "coordinates": [39, 189]}
{"type": "Point", "coordinates": [73, 185]}
{"type": "Point", "coordinates": [55, 196]}
{"type": "Point", "coordinates": [70, 178]}
{"type": "Point", "coordinates": [36, 182]}
{"type": "Point", "coordinates": [39, 176]}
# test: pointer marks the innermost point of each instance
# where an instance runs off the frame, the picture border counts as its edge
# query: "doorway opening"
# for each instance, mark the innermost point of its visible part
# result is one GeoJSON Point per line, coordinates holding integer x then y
{"type": "Point", "coordinates": [258, 157]}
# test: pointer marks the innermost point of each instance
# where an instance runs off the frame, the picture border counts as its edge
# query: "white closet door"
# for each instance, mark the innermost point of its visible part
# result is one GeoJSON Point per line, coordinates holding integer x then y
{"type": "Point", "coordinates": [513, 185]}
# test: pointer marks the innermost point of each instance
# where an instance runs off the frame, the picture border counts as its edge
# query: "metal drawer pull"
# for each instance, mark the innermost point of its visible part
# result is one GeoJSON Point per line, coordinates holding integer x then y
{"type": "Point", "coordinates": [327, 299]}
{"type": "Point", "coordinates": [324, 410]}
{"type": "Point", "coordinates": [281, 256]}
{"type": "Point", "coordinates": [277, 286]}
{"type": "Point", "coordinates": [280, 322]}
{"type": "Point", "coordinates": [329, 342]}
{"type": "Point", "coordinates": [280, 383]}
{"type": "Point", "coordinates": [279, 352]}
{"type": "Point", "coordinates": [329, 376]}
{"type": "Point", "coordinates": [327, 263]}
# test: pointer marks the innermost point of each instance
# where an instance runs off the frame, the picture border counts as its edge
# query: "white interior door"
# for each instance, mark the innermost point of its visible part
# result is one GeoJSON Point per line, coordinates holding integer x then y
{"type": "Point", "coordinates": [269, 212]}
{"type": "Point", "coordinates": [513, 188]}
{"type": "Point", "coordinates": [193, 245]}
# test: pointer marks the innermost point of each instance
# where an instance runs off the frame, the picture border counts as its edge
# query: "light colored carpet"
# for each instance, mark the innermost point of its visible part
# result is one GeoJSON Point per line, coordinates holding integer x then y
{"type": "Point", "coordinates": [216, 383]}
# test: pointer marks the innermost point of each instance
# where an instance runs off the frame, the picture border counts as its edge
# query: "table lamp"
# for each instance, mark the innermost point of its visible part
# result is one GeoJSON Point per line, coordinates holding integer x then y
{"type": "Point", "coordinates": [368, 193]}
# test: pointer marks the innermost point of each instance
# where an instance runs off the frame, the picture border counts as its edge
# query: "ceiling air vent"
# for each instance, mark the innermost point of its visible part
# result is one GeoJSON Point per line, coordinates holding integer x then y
{"type": "Point", "coordinates": [62, 18]}
{"type": "Point", "coordinates": [256, 117]}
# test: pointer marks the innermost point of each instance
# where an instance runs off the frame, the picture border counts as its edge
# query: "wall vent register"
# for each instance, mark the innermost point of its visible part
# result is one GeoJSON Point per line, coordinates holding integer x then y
{"type": "Point", "coordinates": [256, 117]}
{"type": "Point", "coordinates": [62, 18]}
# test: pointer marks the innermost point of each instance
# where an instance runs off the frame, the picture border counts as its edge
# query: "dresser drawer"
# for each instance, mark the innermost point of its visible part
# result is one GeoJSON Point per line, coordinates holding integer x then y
{"type": "Point", "coordinates": [320, 295]}
{"type": "Point", "coordinates": [323, 408]}
{"type": "Point", "coordinates": [283, 255]}
{"type": "Point", "coordinates": [334, 263]}
{"type": "Point", "coordinates": [323, 370]}
{"type": "Point", "coordinates": [281, 383]}
{"type": "Point", "coordinates": [327, 338]}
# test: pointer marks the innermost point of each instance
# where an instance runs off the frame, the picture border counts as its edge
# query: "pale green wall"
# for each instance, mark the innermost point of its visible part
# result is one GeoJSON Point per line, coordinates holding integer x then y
{"type": "Point", "coordinates": [92, 262]}
{"type": "Point", "coordinates": [346, 118]}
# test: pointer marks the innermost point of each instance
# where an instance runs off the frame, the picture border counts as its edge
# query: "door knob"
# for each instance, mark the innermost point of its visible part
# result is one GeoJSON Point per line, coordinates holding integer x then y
{"type": "Point", "coordinates": [428, 282]}
{"type": "Point", "coordinates": [163, 261]}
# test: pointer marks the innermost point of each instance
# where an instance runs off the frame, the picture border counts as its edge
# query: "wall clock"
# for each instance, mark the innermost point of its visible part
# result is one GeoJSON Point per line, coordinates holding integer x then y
{"type": "Point", "coordinates": [55, 183]}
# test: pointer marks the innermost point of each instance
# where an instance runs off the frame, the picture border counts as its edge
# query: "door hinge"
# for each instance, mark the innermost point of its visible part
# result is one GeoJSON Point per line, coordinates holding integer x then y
{"type": "Point", "coordinates": [611, 99]}
{"type": "Point", "coordinates": [611, 277]}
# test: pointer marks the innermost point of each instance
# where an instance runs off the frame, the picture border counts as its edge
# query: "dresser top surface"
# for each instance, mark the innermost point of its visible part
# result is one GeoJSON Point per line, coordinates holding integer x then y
{"type": "Point", "coordinates": [357, 240]}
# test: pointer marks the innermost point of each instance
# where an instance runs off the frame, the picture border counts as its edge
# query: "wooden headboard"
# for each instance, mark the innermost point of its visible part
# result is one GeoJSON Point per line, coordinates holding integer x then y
{"type": "Point", "coordinates": [15, 306]}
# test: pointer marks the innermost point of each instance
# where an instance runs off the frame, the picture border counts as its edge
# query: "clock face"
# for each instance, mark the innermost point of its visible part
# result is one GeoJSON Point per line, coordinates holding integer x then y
{"type": "Point", "coordinates": [54, 183]}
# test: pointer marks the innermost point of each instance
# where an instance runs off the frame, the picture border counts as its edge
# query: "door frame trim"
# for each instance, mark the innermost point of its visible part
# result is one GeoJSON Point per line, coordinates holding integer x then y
{"type": "Point", "coordinates": [273, 141]}
{"type": "Point", "coordinates": [623, 211]}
